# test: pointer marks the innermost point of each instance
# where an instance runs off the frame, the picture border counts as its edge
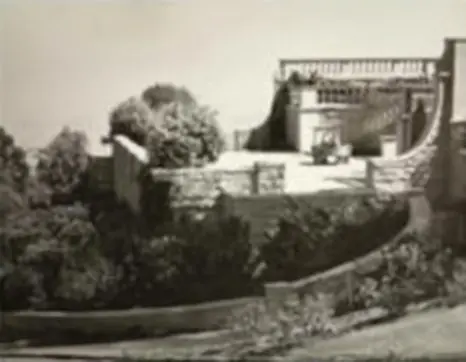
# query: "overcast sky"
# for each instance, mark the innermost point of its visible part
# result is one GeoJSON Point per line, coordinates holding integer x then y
{"type": "Point", "coordinates": [69, 62]}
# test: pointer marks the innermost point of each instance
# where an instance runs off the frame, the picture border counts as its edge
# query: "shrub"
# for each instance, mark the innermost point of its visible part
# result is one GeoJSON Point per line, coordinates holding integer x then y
{"type": "Point", "coordinates": [309, 239]}
{"type": "Point", "coordinates": [276, 331]}
{"type": "Point", "coordinates": [63, 166]}
{"type": "Point", "coordinates": [194, 261]}
{"type": "Point", "coordinates": [189, 137]}
{"type": "Point", "coordinates": [418, 268]}
{"type": "Point", "coordinates": [132, 118]}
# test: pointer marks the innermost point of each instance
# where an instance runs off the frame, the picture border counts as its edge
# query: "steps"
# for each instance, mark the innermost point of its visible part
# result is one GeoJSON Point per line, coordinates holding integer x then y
{"type": "Point", "coordinates": [413, 168]}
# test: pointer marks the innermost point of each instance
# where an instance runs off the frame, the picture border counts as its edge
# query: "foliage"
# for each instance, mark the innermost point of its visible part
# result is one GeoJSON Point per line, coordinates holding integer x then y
{"type": "Point", "coordinates": [309, 238]}
{"type": "Point", "coordinates": [272, 135]}
{"type": "Point", "coordinates": [190, 136]}
{"type": "Point", "coordinates": [13, 166]}
{"type": "Point", "coordinates": [176, 129]}
{"type": "Point", "coordinates": [73, 258]}
{"type": "Point", "coordinates": [286, 326]}
{"type": "Point", "coordinates": [193, 261]}
{"type": "Point", "coordinates": [10, 201]}
{"type": "Point", "coordinates": [160, 94]}
{"type": "Point", "coordinates": [38, 194]}
{"type": "Point", "coordinates": [63, 165]}
{"type": "Point", "coordinates": [133, 119]}
{"type": "Point", "coordinates": [417, 268]}
{"type": "Point", "coordinates": [52, 259]}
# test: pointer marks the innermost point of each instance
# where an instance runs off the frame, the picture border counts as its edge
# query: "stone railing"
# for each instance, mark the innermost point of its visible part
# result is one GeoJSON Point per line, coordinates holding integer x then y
{"type": "Point", "coordinates": [191, 187]}
{"type": "Point", "coordinates": [413, 168]}
{"type": "Point", "coordinates": [364, 68]}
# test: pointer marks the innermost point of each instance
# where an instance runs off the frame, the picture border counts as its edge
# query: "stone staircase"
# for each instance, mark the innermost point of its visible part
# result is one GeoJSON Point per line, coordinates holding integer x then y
{"type": "Point", "coordinates": [413, 168]}
{"type": "Point", "coordinates": [375, 117]}
{"type": "Point", "coordinates": [384, 117]}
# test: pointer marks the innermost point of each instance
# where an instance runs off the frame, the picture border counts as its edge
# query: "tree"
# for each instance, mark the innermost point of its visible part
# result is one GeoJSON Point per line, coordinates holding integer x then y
{"type": "Point", "coordinates": [63, 164]}
{"type": "Point", "coordinates": [188, 137]}
{"type": "Point", "coordinates": [160, 94]}
{"type": "Point", "coordinates": [132, 118]}
{"type": "Point", "coordinates": [14, 170]}
{"type": "Point", "coordinates": [176, 130]}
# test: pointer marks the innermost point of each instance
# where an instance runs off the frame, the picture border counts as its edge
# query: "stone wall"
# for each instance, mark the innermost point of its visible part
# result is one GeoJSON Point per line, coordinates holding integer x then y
{"type": "Point", "coordinates": [191, 187]}
{"type": "Point", "coordinates": [129, 160]}
{"type": "Point", "coordinates": [201, 187]}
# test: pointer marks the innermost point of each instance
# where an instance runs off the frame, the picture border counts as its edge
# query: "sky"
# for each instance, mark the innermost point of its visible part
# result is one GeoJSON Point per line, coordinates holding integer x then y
{"type": "Point", "coordinates": [67, 62]}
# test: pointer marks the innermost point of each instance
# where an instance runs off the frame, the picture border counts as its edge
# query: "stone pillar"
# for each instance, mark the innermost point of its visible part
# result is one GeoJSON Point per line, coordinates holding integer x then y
{"type": "Point", "coordinates": [403, 133]}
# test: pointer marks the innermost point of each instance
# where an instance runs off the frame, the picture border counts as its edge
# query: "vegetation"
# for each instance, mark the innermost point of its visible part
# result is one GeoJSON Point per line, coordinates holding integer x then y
{"type": "Point", "coordinates": [63, 166]}
{"type": "Point", "coordinates": [309, 239]}
{"type": "Point", "coordinates": [14, 170]}
{"type": "Point", "coordinates": [272, 135]}
{"type": "Point", "coordinates": [417, 268]}
{"type": "Point", "coordinates": [271, 332]}
{"type": "Point", "coordinates": [83, 257]}
{"type": "Point", "coordinates": [132, 118]}
{"type": "Point", "coordinates": [175, 128]}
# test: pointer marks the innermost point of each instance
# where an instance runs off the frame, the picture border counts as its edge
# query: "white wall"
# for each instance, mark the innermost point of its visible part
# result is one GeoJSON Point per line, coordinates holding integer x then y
{"type": "Point", "coordinates": [459, 86]}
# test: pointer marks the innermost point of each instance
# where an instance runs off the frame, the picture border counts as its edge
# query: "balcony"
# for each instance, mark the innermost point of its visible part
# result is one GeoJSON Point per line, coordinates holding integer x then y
{"type": "Point", "coordinates": [361, 69]}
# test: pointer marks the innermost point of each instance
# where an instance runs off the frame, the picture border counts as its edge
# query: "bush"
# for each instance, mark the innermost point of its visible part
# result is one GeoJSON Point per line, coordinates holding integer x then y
{"type": "Point", "coordinates": [189, 137]}
{"type": "Point", "coordinates": [193, 261]}
{"type": "Point", "coordinates": [275, 331]}
{"type": "Point", "coordinates": [132, 118]}
{"type": "Point", "coordinates": [63, 166]}
{"type": "Point", "coordinates": [416, 269]}
{"type": "Point", "coordinates": [310, 239]}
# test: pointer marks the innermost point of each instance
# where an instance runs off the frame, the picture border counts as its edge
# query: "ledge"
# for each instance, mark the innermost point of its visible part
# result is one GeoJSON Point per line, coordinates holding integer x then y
{"type": "Point", "coordinates": [199, 317]}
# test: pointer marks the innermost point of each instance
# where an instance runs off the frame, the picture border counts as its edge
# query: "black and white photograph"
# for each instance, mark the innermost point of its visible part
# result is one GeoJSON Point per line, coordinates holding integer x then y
{"type": "Point", "coordinates": [219, 180]}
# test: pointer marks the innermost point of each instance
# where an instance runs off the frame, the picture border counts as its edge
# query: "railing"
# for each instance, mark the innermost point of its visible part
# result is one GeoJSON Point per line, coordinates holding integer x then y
{"type": "Point", "coordinates": [411, 169]}
{"type": "Point", "coordinates": [363, 68]}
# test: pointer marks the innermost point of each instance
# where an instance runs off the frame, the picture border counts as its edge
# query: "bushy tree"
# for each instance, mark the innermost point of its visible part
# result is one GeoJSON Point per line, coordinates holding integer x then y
{"type": "Point", "coordinates": [63, 164]}
{"type": "Point", "coordinates": [13, 166]}
{"type": "Point", "coordinates": [189, 136]}
{"type": "Point", "coordinates": [160, 94]}
{"type": "Point", "coordinates": [132, 118]}
{"type": "Point", "coordinates": [42, 247]}
{"type": "Point", "coordinates": [176, 129]}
